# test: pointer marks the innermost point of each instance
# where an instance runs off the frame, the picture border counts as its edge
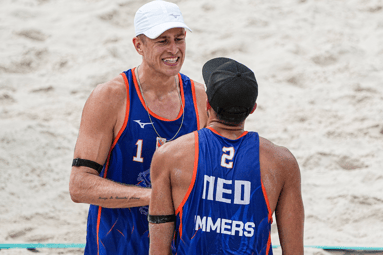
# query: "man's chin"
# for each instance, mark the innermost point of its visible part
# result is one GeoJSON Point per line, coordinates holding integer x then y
{"type": "Point", "coordinates": [172, 71]}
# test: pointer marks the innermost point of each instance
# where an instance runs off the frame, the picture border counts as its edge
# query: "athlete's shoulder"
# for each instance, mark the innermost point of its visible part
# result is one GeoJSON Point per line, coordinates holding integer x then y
{"type": "Point", "coordinates": [279, 153]}
{"type": "Point", "coordinates": [172, 155]}
{"type": "Point", "coordinates": [177, 148]}
{"type": "Point", "coordinates": [114, 89]}
{"type": "Point", "coordinates": [278, 156]}
{"type": "Point", "coordinates": [201, 99]}
{"type": "Point", "coordinates": [200, 89]}
{"type": "Point", "coordinates": [106, 102]}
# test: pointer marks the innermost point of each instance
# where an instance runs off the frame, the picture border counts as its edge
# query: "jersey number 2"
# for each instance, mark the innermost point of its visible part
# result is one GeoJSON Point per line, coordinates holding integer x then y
{"type": "Point", "coordinates": [229, 156]}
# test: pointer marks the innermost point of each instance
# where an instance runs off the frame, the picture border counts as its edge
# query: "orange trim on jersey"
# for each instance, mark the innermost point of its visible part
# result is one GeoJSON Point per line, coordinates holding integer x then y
{"type": "Point", "coordinates": [147, 108]}
{"type": "Point", "coordinates": [215, 132]}
{"type": "Point", "coordinates": [196, 154]}
{"type": "Point", "coordinates": [268, 244]}
{"type": "Point", "coordinates": [180, 228]}
{"type": "Point", "coordinates": [103, 245]}
{"type": "Point", "coordinates": [120, 233]}
{"type": "Point", "coordinates": [267, 202]}
{"type": "Point", "coordinates": [98, 228]}
{"type": "Point", "coordinates": [127, 111]}
{"type": "Point", "coordinates": [182, 95]}
{"type": "Point", "coordinates": [195, 233]}
{"type": "Point", "coordinates": [243, 134]}
{"type": "Point", "coordinates": [112, 227]}
{"type": "Point", "coordinates": [196, 151]}
{"type": "Point", "coordinates": [195, 103]}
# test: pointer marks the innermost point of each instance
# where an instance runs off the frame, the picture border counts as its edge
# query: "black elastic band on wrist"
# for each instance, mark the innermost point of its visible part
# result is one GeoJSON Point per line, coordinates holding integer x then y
{"type": "Point", "coordinates": [88, 163]}
{"type": "Point", "coordinates": [158, 219]}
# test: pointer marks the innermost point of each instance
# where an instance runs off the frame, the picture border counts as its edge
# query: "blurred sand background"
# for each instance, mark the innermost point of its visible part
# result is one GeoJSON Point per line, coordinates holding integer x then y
{"type": "Point", "coordinates": [319, 65]}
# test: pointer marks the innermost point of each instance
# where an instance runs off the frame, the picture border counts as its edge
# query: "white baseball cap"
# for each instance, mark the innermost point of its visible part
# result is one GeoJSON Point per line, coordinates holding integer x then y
{"type": "Point", "coordinates": [155, 17]}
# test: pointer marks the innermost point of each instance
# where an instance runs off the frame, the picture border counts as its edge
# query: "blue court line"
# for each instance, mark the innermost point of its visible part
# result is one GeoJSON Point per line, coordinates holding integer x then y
{"type": "Point", "coordinates": [350, 248]}
{"type": "Point", "coordinates": [357, 248]}
{"type": "Point", "coordinates": [82, 245]}
{"type": "Point", "coordinates": [40, 245]}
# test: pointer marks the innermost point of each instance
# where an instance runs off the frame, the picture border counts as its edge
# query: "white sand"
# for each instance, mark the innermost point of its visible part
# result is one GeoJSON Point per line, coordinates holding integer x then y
{"type": "Point", "coordinates": [319, 65]}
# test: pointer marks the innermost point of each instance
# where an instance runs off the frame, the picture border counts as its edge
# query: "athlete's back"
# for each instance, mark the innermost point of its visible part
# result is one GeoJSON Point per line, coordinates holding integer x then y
{"type": "Point", "coordinates": [226, 211]}
{"type": "Point", "coordinates": [209, 187]}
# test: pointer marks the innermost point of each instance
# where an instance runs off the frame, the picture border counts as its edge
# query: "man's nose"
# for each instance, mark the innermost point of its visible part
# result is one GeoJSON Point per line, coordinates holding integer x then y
{"type": "Point", "coordinates": [173, 48]}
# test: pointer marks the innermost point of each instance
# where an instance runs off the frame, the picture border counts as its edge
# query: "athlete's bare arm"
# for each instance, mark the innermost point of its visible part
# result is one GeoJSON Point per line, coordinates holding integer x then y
{"type": "Point", "coordinates": [201, 103]}
{"type": "Point", "coordinates": [102, 118]}
{"type": "Point", "coordinates": [289, 212]}
{"type": "Point", "coordinates": [161, 203]}
{"type": "Point", "coordinates": [171, 172]}
{"type": "Point", "coordinates": [281, 177]}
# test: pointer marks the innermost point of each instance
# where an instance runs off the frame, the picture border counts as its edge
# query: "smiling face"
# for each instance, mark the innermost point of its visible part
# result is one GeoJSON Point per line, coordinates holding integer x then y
{"type": "Point", "coordinates": [166, 53]}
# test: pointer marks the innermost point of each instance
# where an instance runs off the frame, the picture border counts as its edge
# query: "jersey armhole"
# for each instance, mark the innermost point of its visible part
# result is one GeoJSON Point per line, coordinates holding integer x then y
{"type": "Point", "coordinates": [195, 103]}
{"type": "Point", "coordinates": [270, 214]}
{"type": "Point", "coordinates": [127, 110]}
{"type": "Point", "coordinates": [196, 156]}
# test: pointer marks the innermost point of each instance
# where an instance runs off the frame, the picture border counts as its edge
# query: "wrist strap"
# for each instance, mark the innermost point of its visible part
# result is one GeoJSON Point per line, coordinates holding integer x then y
{"type": "Point", "coordinates": [158, 219]}
{"type": "Point", "coordinates": [88, 163]}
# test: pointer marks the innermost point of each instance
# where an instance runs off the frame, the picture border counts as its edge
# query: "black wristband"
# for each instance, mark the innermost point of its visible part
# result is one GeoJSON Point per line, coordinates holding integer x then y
{"type": "Point", "coordinates": [88, 163]}
{"type": "Point", "coordinates": [158, 219]}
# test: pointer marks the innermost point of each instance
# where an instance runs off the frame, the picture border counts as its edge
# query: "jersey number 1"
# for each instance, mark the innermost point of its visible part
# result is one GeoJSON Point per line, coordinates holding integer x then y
{"type": "Point", "coordinates": [138, 157]}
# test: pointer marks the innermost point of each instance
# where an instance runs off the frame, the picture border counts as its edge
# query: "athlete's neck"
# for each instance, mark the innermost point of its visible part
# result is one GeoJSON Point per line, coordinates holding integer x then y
{"type": "Point", "coordinates": [230, 132]}
{"type": "Point", "coordinates": [157, 83]}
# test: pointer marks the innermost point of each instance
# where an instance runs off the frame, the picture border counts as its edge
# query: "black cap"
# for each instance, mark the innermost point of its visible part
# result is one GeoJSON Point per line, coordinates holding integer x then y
{"type": "Point", "coordinates": [231, 88]}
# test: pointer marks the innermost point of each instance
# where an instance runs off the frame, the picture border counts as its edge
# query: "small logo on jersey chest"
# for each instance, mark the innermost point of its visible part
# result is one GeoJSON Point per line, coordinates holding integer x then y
{"type": "Point", "coordinates": [142, 125]}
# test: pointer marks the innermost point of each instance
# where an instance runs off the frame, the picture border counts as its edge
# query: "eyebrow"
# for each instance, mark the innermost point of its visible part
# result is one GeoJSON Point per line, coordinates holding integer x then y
{"type": "Point", "coordinates": [180, 34]}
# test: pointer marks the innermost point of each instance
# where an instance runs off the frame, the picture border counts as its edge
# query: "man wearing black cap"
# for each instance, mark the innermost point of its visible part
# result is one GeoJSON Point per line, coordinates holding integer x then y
{"type": "Point", "coordinates": [215, 190]}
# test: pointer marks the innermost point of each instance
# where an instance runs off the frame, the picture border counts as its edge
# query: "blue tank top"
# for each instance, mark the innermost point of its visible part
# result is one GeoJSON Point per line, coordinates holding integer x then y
{"type": "Point", "coordinates": [125, 231]}
{"type": "Point", "coordinates": [225, 210]}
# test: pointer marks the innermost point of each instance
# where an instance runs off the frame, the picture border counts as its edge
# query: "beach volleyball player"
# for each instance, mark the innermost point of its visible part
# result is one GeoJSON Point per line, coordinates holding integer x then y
{"type": "Point", "coordinates": [123, 122]}
{"type": "Point", "coordinates": [215, 190]}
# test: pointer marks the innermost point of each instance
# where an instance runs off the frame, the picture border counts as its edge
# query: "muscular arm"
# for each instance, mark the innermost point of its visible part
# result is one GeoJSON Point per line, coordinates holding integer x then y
{"type": "Point", "coordinates": [100, 122]}
{"type": "Point", "coordinates": [289, 211]}
{"type": "Point", "coordinates": [201, 103]}
{"type": "Point", "coordinates": [161, 204]}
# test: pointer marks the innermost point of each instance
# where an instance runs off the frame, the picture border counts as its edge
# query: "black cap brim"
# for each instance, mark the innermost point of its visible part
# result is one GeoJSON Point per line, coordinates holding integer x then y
{"type": "Point", "coordinates": [210, 66]}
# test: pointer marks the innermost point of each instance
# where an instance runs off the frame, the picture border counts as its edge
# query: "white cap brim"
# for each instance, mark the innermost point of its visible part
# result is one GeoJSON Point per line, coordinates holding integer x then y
{"type": "Point", "coordinates": [156, 31]}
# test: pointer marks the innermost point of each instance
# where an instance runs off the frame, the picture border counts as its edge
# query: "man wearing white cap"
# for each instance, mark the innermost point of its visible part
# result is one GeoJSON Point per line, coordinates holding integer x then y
{"type": "Point", "coordinates": [123, 122]}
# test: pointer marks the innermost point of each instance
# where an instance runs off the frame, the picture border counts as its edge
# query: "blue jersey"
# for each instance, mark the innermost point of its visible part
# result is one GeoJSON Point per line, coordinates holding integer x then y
{"type": "Point", "coordinates": [125, 231]}
{"type": "Point", "coordinates": [225, 210]}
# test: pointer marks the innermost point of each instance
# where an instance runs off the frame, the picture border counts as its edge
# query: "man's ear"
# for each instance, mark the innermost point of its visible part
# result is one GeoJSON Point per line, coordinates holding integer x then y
{"type": "Point", "coordinates": [255, 107]}
{"type": "Point", "coordinates": [138, 45]}
{"type": "Point", "coordinates": [208, 106]}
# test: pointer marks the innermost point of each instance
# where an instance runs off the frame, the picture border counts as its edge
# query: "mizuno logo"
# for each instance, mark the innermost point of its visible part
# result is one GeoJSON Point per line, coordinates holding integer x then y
{"type": "Point", "coordinates": [142, 125]}
{"type": "Point", "coordinates": [174, 15]}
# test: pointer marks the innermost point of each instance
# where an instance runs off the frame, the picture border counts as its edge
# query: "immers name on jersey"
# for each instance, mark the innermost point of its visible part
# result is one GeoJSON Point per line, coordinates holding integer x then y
{"type": "Point", "coordinates": [226, 192]}
{"type": "Point", "coordinates": [224, 226]}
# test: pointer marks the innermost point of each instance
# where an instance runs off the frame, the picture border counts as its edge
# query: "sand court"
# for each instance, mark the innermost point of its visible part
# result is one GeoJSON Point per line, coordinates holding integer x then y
{"type": "Point", "coordinates": [319, 65]}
